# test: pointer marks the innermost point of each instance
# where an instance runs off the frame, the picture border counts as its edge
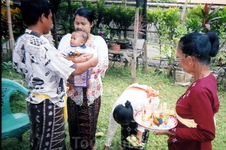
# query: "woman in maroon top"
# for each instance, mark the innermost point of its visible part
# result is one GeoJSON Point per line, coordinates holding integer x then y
{"type": "Point", "coordinates": [196, 107]}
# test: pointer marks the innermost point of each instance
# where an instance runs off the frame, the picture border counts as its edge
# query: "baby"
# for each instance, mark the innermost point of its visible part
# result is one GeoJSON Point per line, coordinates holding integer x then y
{"type": "Point", "coordinates": [78, 47]}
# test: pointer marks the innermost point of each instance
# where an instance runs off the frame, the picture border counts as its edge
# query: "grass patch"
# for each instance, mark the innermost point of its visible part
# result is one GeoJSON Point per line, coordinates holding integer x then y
{"type": "Point", "coordinates": [115, 82]}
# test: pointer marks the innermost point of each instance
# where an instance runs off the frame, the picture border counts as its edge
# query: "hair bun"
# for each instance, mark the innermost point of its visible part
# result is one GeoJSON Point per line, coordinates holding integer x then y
{"type": "Point", "coordinates": [203, 45]}
{"type": "Point", "coordinates": [128, 104]}
{"type": "Point", "coordinates": [214, 40]}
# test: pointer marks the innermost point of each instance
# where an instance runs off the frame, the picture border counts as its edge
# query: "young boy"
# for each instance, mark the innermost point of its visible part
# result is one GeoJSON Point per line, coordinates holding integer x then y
{"type": "Point", "coordinates": [45, 71]}
{"type": "Point", "coordinates": [78, 47]}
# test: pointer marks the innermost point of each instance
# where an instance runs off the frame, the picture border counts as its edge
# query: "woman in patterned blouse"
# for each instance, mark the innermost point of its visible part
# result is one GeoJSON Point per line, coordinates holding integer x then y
{"type": "Point", "coordinates": [83, 108]}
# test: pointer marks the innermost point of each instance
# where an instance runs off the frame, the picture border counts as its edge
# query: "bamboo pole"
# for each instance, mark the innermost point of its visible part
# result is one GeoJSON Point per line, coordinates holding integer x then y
{"type": "Point", "coordinates": [11, 37]}
{"type": "Point", "coordinates": [184, 11]}
{"type": "Point", "coordinates": [134, 60]}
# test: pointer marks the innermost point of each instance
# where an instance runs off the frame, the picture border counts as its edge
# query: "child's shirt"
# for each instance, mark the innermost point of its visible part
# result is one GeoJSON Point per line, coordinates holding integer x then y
{"type": "Point", "coordinates": [81, 49]}
{"type": "Point", "coordinates": [82, 79]}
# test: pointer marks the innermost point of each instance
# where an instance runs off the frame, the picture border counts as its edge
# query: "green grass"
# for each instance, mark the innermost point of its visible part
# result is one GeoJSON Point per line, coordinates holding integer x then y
{"type": "Point", "coordinates": [115, 82]}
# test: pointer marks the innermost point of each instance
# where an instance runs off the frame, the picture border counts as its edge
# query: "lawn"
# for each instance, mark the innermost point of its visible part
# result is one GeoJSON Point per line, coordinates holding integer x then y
{"type": "Point", "coordinates": [115, 82]}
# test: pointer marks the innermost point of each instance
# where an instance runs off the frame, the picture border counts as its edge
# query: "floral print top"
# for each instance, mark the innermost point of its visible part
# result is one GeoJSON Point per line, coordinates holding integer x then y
{"type": "Point", "coordinates": [99, 45]}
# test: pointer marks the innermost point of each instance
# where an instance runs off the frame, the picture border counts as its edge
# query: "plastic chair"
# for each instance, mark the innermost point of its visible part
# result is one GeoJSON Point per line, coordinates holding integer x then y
{"type": "Point", "coordinates": [13, 125]}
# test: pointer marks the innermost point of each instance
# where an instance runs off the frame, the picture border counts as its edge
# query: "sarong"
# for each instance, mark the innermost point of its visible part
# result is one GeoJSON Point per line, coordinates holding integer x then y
{"type": "Point", "coordinates": [127, 130]}
{"type": "Point", "coordinates": [47, 126]}
{"type": "Point", "coordinates": [82, 122]}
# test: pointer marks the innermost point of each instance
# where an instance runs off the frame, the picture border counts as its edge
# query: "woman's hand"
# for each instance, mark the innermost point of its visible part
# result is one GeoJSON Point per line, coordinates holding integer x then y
{"type": "Point", "coordinates": [169, 133]}
{"type": "Point", "coordinates": [81, 58]}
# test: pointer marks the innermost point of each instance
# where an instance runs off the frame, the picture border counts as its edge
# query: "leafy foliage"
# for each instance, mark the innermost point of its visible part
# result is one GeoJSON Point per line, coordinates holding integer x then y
{"type": "Point", "coordinates": [17, 22]}
{"type": "Point", "coordinates": [203, 18]}
{"type": "Point", "coordinates": [166, 21]}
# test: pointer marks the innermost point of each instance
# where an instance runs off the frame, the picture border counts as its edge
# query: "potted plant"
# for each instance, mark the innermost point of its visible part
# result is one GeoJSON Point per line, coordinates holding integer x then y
{"type": "Point", "coordinates": [115, 47]}
{"type": "Point", "coordinates": [112, 44]}
{"type": "Point", "coordinates": [124, 43]}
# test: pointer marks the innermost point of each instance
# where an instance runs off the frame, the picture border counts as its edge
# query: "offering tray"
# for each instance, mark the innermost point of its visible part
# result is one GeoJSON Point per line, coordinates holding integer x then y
{"type": "Point", "coordinates": [148, 124]}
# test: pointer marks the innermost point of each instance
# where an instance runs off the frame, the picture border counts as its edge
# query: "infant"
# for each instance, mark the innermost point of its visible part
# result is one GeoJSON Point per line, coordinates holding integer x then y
{"type": "Point", "coordinates": [78, 47]}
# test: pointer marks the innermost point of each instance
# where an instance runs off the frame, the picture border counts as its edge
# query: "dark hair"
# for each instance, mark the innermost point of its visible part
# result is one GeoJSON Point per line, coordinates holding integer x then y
{"type": "Point", "coordinates": [32, 10]}
{"type": "Point", "coordinates": [123, 115]}
{"type": "Point", "coordinates": [86, 13]}
{"type": "Point", "coordinates": [201, 45]}
{"type": "Point", "coordinates": [83, 34]}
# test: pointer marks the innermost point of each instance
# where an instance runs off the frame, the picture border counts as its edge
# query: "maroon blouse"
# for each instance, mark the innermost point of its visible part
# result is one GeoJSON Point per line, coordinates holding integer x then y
{"type": "Point", "coordinates": [200, 102]}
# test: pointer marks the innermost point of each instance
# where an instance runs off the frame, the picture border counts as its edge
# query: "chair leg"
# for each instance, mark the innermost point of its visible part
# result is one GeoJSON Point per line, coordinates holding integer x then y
{"type": "Point", "coordinates": [20, 138]}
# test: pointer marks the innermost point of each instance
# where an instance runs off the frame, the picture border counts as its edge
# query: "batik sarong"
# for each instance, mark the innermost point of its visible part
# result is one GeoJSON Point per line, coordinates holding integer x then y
{"type": "Point", "coordinates": [82, 121]}
{"type": "Point", "coordinates": [47, 126]}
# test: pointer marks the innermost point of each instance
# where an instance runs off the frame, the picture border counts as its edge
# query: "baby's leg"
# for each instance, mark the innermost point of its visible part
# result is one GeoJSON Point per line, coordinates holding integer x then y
{"type": "Point", "coordinates": [71, 90]}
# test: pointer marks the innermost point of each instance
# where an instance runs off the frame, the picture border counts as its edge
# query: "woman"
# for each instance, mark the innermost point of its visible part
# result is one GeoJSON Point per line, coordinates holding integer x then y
{"type": "Point", "coordinates": [83, 108]}
{"type": "Point", "coordinates": [197, 106]}
{"type": "Point", "coordinates": [133, 99]}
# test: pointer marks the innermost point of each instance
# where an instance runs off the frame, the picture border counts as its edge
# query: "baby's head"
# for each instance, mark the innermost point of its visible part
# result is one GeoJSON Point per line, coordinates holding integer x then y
{"type": "Point", "coordinates": [123, 114]}
{"type": "Point", "coordinates": [78, 38]}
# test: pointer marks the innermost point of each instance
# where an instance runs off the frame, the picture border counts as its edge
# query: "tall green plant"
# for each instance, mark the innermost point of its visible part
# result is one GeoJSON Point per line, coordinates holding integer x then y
{"type": "Point", "coordinates": [124, 18]}
{"type": "Point", "coordinates": [166, 22]}
{"type": "Point", "coordinates": [108, 13]}
{"type": "Point", "coordinates": [99, 11]}
{"type": "Point", "coordinates": [219, 25]}
{"type": "Point", "coordinates": [203, 18]}
{"type": "Point", "coordinates": [64, 16]}
{"type": "Point", "coordinates": [171, 17]}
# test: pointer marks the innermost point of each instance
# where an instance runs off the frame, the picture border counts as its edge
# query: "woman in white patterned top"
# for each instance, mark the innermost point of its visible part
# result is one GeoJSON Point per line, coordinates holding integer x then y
{"type": "Point", "coordinates": [84, 108]}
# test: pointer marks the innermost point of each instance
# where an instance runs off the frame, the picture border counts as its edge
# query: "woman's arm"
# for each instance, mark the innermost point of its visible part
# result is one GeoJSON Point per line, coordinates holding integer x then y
{"type": "Point", "coordinates": [82, 67]}
{"type": "Point", "coordinates": [81, 58]}
{"type": "Point", "coordinates": [102, 54]}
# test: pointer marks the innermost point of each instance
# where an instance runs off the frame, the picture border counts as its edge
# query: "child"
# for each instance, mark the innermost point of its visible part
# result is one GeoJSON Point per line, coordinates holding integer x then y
{"type": "Point", "coordinates": [78, 47]}
{"type": "Point", "coordinates": [133, 99]}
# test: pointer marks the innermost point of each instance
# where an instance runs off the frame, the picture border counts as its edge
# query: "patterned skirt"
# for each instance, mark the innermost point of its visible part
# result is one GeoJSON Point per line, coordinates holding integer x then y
{"type": "Point", "coordinates": [47, 126]}
{"type": "Point", "coordinates": [127, 130]}
{"type": "Point", "coordinates": [82, 122]}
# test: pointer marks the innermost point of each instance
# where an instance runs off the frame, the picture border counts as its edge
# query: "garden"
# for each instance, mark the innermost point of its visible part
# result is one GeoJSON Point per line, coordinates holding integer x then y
{"type": "Point", "coordinates": [161, 27]}
{"type": "Point", "coordinates": [115, 82]}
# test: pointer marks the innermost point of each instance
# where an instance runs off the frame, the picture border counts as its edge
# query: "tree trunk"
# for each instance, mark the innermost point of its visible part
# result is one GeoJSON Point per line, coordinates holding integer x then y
{"type": "Point", "coordinates": [71, 15]}
{"type": "Point", "coordinates": [184, 11]}
{"type": "Point", "coordinates": [133, 63]}
{"type": "Point", "coordinates": [55, 31]}
{"type": "Point", "coordinates": [11, 37]}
